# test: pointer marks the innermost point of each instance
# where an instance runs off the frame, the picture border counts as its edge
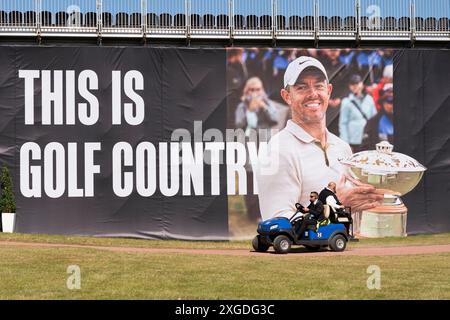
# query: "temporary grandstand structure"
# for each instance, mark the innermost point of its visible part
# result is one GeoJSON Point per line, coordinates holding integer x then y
{"type": "Point", "coordinates": [382, 20]}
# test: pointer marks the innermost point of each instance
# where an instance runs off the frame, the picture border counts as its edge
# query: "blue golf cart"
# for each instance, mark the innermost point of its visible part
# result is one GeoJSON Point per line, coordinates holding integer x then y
{"type": "Point", "coordinates": [280, 233]}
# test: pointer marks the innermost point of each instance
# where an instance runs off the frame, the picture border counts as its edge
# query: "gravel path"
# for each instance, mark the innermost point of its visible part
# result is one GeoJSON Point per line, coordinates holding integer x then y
{"type": "Point", "coordinates": [300, 251]}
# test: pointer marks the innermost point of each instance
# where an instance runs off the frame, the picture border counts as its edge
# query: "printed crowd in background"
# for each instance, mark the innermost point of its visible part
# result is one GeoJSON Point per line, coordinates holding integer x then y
{"type": "Point", "coordinates": [360, 108]}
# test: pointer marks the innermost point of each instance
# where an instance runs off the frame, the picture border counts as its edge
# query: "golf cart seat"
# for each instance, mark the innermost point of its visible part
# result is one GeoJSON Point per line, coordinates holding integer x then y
{"type": "Point", "coordinates": [326, 211]}
{"type": "Point", "coordinates": [326, 214]}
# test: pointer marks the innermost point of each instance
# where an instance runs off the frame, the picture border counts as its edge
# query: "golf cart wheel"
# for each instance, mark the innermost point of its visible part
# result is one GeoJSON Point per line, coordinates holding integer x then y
{"type": "Point", "coordinates": [258, 246]}
{"type": "Point", "coordinates": [282, 244]}
{"type": "Point", "coordinates": [313, 248]}
{"type": "Point", "coordinates": [338, 243]}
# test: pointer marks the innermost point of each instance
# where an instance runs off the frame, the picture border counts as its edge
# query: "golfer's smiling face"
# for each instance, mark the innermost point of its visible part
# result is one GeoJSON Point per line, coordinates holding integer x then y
{"type": "Point", "coordinates": [308, 98]}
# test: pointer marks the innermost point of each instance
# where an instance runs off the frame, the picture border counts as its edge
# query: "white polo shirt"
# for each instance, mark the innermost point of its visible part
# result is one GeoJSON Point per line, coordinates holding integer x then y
{"type": "Point", "coordinates": [300, 167]}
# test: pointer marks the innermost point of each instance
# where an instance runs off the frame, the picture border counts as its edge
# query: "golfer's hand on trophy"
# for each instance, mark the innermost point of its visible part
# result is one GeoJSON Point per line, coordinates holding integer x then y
{"type": "Point", "coordinates": [360, 196]}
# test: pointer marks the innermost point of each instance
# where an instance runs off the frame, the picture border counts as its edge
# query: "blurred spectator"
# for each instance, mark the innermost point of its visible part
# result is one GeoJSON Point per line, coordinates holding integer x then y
{"type": "Point", "coordinates": [377, 89]}
{"type": "Point", "coordinates": [338, 73]}
{"type": "Point", "coordinates": [255, 111]}
{"type": "Point", "coordinates": [388, 91]}
{"type": "Point", "coordinates": [347, 56]}
{"type": "Point", "coordinates": [237, 74]}
{"type": "Point", "coordinates": [370, 64]}
{"type": "Point", "coordinates": [254, 62]}
{"type": "Point", "coordinates": [380, 127]}
{"type": "Point", "coordinates": [356, 110]}
{"type": "Point", "coordinates": [267, 66]}
{"type": "Point", "coordinates": [387, 55]}
{"type": "Point", "coordinates": [280, 63]}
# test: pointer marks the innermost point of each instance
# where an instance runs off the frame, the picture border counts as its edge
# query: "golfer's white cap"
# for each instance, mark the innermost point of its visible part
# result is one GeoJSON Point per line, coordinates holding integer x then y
{"type": "Point", "coordinates": [296, 67]}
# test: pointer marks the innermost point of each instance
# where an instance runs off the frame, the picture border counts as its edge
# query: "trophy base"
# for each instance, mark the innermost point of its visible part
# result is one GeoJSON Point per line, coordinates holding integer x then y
{"type": "Point", "coordinates": [388, 220]}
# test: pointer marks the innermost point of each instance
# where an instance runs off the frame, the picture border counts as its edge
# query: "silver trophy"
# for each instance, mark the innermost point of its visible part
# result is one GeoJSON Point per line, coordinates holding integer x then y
{"type": "Point", "coordinates": [394, 172]}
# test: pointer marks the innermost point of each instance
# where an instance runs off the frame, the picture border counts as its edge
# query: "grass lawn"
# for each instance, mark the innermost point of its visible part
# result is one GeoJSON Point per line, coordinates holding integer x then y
{"type": "Point", "coordinates": [41, 273]}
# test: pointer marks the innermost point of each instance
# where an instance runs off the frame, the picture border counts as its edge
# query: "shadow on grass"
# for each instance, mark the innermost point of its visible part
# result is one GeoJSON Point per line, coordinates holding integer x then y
{"type": "Point", "coordinates": [295, 250]}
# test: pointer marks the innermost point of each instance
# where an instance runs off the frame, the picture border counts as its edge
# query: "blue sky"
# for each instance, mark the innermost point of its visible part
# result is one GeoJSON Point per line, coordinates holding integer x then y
{"type": "Point", "coordinates": [396, 8]}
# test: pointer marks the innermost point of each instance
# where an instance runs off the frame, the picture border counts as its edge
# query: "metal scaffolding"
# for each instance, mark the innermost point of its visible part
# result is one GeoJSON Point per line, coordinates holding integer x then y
{"type": "Point", "coordinates": [229, 19]}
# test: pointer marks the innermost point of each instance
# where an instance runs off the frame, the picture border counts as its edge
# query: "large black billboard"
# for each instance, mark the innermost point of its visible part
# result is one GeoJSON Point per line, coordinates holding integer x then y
{"type": "Point", "coordinates": [157, 142]}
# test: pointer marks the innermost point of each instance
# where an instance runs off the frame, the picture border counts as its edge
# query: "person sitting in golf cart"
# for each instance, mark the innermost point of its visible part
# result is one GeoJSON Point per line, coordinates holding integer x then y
{"type": "Point", "coordinates": [328, 196]}
{"type": "Point", "coordinates": [338, 213]}
{"type": "Point", "coordinates": [314, 213]}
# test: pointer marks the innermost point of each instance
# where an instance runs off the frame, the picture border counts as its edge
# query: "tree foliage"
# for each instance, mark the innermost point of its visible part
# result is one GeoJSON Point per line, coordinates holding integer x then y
{"type": "Point", "coordinates": [7, 199]}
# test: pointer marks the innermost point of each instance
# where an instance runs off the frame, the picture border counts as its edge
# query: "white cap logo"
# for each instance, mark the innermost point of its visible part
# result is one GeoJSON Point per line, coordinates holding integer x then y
{"type": "Point", "coordinates": [296, 67]}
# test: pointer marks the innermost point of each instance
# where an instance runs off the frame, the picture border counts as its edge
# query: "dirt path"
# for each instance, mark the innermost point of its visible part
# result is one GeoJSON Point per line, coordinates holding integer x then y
{"type": "Point", "coordinates": [369, 251]}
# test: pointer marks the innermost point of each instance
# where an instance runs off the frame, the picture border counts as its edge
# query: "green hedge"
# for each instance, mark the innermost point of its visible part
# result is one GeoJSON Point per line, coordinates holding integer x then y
{"type": "Point", "coordinates": [7, 199]}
